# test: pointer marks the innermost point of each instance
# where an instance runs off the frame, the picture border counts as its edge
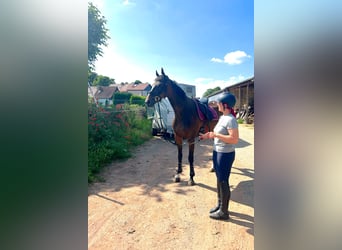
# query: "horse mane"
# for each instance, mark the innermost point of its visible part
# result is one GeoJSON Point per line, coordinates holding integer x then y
{"type": "Point", "coordinates": [178, 90]}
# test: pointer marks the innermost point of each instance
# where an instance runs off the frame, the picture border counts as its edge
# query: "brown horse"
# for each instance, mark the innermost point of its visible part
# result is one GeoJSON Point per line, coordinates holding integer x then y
{"type": "Point", "coordinates": [187, 122]}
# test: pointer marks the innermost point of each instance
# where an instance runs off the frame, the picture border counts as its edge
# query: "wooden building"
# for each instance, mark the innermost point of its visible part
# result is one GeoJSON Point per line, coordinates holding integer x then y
{"type": "Point", "coordinates": [243, 91]}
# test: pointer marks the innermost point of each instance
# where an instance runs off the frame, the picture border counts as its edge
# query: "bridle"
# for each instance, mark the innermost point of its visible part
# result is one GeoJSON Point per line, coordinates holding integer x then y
{"type": "Point", "coordinates": [157, 98]}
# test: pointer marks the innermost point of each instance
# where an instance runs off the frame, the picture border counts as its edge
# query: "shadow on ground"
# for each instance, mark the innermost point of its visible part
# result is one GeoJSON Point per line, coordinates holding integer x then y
{"type": "Point", "coordinates": [243, 193]}
{"type": "Point", "coordinates": [242, 143]}
{"type": "Point", "coordinates": [151, 168]}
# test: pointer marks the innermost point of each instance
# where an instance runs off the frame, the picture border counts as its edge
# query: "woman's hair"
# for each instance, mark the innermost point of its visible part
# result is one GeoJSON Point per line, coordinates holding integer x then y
{"type": "Point", "coordinates": [225, 106]}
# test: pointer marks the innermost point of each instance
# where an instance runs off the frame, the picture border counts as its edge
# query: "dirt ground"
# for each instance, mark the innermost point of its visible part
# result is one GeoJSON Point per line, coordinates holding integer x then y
{"type": "Point", "coordinates": [139, 206]}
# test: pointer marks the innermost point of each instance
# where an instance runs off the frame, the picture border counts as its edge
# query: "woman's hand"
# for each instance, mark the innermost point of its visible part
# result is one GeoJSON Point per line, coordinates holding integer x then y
{"type": "Point", "coordinates": [203, 136]}
{"type": "Point", "coordinates": [208, 135]}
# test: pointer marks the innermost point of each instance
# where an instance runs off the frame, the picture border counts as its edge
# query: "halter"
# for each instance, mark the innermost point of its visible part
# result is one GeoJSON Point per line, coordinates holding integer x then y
{"type": "Point", "coordinates": [157, 98]}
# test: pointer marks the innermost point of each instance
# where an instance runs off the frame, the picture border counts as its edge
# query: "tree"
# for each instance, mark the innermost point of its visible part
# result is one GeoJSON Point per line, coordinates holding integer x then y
{"type": "Point", "coordinates": [103, 81]}
{"type": "Point", "coordinates": [97, 34]}
{"type": "Point", "coordinates": [211, 91]}
{"type": "Point", "coordinates": [91, 77]}
{"type": "Point", "coordinates": [137, 82]}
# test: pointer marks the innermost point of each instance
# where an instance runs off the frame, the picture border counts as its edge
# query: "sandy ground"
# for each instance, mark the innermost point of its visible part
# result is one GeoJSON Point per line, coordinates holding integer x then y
{"type": "Point", "coordinates": [139, 206]}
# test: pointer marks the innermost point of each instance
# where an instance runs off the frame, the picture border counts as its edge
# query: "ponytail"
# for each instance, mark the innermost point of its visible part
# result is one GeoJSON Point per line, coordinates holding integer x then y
{"type": "Point", "coordinates": [232, 112]}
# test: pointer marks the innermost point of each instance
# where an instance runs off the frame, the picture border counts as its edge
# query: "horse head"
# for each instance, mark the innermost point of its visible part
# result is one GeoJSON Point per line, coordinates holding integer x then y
{"type": "Point", "coordinates": [159, 89]}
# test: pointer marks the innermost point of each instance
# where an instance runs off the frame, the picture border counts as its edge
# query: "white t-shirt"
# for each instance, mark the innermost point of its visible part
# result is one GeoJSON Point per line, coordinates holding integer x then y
{"type": "Point", "coordinates": [225, 122]}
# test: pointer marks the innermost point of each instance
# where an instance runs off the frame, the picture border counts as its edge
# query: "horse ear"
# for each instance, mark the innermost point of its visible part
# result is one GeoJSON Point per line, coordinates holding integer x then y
{"type": "Point", "coordinates": [162, 71]}
{"type": "Point", "coordinates": [157, 73]}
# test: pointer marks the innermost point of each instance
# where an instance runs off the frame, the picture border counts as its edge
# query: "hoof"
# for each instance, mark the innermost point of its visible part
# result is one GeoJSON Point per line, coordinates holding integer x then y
{"type": "Point", "coordinates": [191, 182]}
{"type": "Point", "coordinates": [177, 178]}
{"type": "Point", "coordinates": [212, 170]}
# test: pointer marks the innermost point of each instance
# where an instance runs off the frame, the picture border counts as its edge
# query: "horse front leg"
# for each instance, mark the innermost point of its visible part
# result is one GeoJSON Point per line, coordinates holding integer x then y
{"type": "Point", "coordinates": [191, 142]}
{"type": "Point", "coordinates": [179, 142]}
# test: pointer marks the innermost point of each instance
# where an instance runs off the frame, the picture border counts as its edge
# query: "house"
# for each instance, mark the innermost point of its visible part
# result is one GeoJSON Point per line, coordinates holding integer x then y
{"type": "Point", "coordinates": [91, 91]}
{"type": "Point", "coordinates": [141, 89]}
{"type": "Point", "coordinates": [103, 94]}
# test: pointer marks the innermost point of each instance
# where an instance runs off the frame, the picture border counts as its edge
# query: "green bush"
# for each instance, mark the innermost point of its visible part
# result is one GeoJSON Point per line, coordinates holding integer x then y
{"type": "Point", "coordinates": [240, 121]}
{"type": "Point", "coordinates": [112, 134]}
{"type": "Point", "coordinates": [122, 97]}
{"type": "Point", "coordinates": [139, 100]}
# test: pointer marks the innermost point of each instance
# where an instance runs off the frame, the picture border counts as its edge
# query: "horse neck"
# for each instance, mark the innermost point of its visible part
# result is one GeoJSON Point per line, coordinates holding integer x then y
{"type": "Point", "coordinates": [177, 100]}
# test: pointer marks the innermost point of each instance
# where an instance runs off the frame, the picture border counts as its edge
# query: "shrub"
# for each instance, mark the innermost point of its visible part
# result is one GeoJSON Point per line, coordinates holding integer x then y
{"type": "Point", "coordinates": [112, 134]}
{"type": "Point", "coordinates": [240, 121]}
{"type": "Point", "coordinates": [121, 97]}
{"type": "Point", "coordinates": [139, 100]}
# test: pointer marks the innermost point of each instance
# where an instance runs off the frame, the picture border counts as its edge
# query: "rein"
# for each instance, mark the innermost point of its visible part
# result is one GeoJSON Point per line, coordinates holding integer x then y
{"type": "Point", "coordinates": [196, 141]}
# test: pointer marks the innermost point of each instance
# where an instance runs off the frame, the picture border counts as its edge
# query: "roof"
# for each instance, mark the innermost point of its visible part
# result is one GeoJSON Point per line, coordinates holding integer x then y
{"type": "Point", "coordinates": [246, 81]}
{"type": "Point", "coordinates": [123, 88]}
{"type": "Point", "coordinates": [105, 92]}
{"type": "Point", "coordinates": [135, 87]}
{"type": "Point", "coordinates": [241, 83]}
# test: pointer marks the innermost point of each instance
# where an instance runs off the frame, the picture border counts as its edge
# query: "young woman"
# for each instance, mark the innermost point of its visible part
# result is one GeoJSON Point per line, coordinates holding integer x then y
{"type": "Point", "coordinates": [225, 135]}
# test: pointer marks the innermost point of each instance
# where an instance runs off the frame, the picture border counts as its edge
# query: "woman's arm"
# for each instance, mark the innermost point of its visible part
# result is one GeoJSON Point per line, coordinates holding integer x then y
{"type": "Point", "coordinates": [232, 138]}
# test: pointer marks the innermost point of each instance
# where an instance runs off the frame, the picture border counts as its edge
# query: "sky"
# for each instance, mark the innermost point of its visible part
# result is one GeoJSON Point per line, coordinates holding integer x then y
{"type": "Point", "coordinates": [207, 43]}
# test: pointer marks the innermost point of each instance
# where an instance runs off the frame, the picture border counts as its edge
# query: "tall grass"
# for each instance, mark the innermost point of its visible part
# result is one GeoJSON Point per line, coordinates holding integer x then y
{"type": "Point", "coordinates": [113, 133]}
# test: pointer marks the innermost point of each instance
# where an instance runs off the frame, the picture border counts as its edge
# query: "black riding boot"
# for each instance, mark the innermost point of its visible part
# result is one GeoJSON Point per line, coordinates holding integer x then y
{"type": "Point", "coordinates": [214, 209]}
{"type": "Point", "coordinates": [222, 213]}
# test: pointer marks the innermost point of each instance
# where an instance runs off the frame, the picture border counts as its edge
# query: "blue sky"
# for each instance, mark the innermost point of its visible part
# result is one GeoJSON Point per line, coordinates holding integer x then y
{"type": "Point", "coordinates": [203, 43]}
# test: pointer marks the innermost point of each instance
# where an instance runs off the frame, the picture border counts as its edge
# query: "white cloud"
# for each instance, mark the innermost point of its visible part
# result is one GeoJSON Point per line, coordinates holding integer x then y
{"type": "Point", "coordinates": [216, 60]}
{"type": "Point", "coordinates": [113, 65]}
{"type": "Point", "coordinates": [203, 84]}
{"type": "Point", "coordinates": [233, 58]}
